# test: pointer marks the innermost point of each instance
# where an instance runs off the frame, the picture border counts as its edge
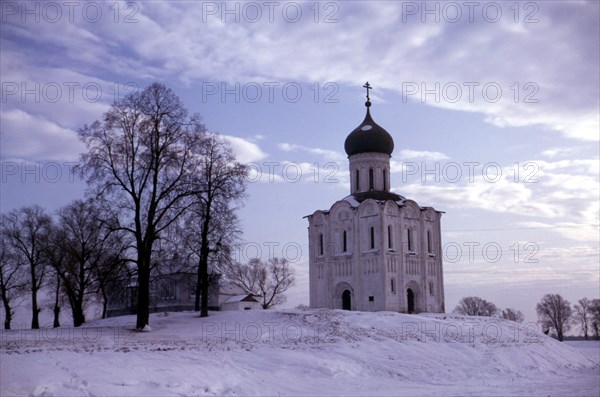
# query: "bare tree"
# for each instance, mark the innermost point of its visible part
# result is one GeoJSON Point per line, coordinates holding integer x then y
{"type": "Point", "coordinates": [141, 158]}
{"type": "Point", "coordinates": [12, 279]}
{"type": "Point", "coordinates": [222, 234]}
{"type": "Point", "coordinates": [81, 245]}
{"type": "Point", "coordinates": [26, 231]}
{"type": "Point", "coordinates": [267, 280]}
{"type": "Point", "coordinates": [554, 312]}
{"type": "Point", "coordinates": [512, 315]}
{"type": "Point", "coordinates": [56, 255]}
{"type": "Point", "coordinates": [476, 306]}
{"type": "Point", "coordinates": [595, 317]}
{"type": "Point", "coordinates": [111, 269]}
{"type": "Point", "coordinates": [212, 219]}
{"type": "Point", "coordinates": [582, 315]}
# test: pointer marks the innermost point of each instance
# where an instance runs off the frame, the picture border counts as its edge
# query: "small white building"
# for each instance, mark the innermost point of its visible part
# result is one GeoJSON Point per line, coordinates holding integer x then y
{"type": "Point", "coordinates": [374, 249]}
{"type": "Point", "coordinates": [241, 302]}
{"type": "Point", "coordinates": [232, 297]}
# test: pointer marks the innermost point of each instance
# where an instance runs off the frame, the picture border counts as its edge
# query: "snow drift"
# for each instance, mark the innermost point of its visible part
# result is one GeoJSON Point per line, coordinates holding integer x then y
{"type": "Point", "coordinates": [295, 352]}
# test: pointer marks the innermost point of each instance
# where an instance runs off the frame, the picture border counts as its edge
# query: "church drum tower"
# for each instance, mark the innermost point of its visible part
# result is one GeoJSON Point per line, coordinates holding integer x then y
{"type": "Point", "coordinates": [374, 249]}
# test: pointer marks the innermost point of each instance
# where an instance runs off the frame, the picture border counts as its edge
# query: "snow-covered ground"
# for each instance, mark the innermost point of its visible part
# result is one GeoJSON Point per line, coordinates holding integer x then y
{"type": "Point", "coordinates": [297, 352]}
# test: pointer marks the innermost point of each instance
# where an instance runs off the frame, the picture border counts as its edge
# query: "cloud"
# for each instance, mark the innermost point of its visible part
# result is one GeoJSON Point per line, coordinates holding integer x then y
{"type": "Point", "coordinates": [245, 151]}
{"type": "Point", "coordinates": [326, 154]}
{"type": "Point", "coordinates": [547, 71]}
{"type": "Point", "coordinates": [287, 171]}
{"type": "Point", "coordinates": [407, 154]}
{"type": "Point", "coordinates": [500, 197]}
{"type": "Point", "coordinates": [558, 152]}
{"type": "Point", "coordinates": [564, 191]}
{"type": "Point", "coordinates": [287, 147]}
{"type": "Point", "coordinates": [569, 230]}
{"type": "Point", "coordinates": [31, 138]}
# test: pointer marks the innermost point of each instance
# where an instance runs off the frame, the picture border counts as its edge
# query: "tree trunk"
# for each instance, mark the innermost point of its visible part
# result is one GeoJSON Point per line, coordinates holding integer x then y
{"type": "Point", "coordinates": [56, 316]}
{"type": "Point", "coordinates": [104, 303]}
{"type": "Point", "coordinates": [78, 314]}
{"type": "Point", "coordinates": [203, 274]}
{"type": "Point", "coordinates": [56, 302]}
{"type": "Point", "coordinates": [204, 252]}
{"type": "Point", "coordinates": [7, 314]}
{"type": "Point", "coordinates": [143, 303]}
{"type": "Point", "coordinates": [204, 281]}
{"type": "Point", "coordinates": [76, 304]}
{"type": "Point", "coordinates": [35, 323]}
{"type": "Point", "coordinates": [560, 335]}
{"type": "Point", "coordinates": [198, 287]}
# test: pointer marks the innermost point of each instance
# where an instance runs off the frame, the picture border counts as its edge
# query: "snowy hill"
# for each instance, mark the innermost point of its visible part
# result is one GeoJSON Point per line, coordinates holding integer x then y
{"type": "Point", "coordinates": [294, 352]}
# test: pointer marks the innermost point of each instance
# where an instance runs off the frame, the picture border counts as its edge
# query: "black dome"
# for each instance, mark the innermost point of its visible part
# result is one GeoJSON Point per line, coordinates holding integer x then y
{"type": "Point", "coordinates": [369, 137]}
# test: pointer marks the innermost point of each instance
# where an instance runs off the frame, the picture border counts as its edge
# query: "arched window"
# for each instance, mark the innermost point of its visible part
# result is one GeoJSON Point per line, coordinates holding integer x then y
{"type": "Point", "coordinates": [344, 242]}
{"type": "Point", "coordinates": [393, 286]}
{"type": "Point", "coordinates": [384, 180]}
{"type": "Point", "coordinates": [409, 239]}
{"type": "Point", "coordinates": [372, 237]}
{"type": "Point", "coordinates": [357, 181]}
{"type": "Point", "coordinates": [321, 244]}
{"type": "Point", "coordinates": [390, 237]}
{"type": "Point", "coordinates": [371, 178]}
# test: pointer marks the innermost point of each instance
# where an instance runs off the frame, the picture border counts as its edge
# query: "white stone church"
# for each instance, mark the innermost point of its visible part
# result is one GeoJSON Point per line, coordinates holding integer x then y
{"type": "Point", "coordinates": [375, 250]}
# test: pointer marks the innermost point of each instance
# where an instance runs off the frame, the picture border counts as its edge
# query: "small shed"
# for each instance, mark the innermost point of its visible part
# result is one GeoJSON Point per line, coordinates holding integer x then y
{"type": "Point", "coordinates": [241, 302]}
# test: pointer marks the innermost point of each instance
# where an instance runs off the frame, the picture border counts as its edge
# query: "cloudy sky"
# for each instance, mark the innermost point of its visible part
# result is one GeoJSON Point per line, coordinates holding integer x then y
{"type": "Point", "coordinates": [493, 107]}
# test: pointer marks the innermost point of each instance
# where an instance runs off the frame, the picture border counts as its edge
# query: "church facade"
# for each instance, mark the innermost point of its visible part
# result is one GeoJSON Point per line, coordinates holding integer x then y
{"type": "Point", "coordinates": [375, 250]}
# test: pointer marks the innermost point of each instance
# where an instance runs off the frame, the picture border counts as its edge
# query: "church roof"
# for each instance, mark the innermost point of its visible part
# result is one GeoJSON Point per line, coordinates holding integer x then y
{"type": "Point", "coordinates": [369, 137]}
{"type": "Point", "coordinates": [377, 195]}
{"type": "Point", "coordinates": [355, 199]}
{"type": "Point", "coordinates": [241, 298]}
{"type": "Point", "coordinates": [355, 202]}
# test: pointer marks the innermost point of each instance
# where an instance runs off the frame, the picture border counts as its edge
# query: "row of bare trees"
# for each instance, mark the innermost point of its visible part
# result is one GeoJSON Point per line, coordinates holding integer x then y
{"type": "Point", "coordinates": [162, 192]}
{"type": "Point", "coordinates": [554, 312]}
{"type": "Point", "coordinates": [79, 257]}
{"type": "Point", "coordinates": [73, 252]}
{"type": "Point", "coordinates": [476, 306]}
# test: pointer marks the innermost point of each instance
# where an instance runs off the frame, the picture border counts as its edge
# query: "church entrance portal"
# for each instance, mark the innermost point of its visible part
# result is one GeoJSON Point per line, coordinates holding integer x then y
{"type": "Point", "coordinates": [346, 300]}
{"type": "Point", "coordinates": [410, 298]}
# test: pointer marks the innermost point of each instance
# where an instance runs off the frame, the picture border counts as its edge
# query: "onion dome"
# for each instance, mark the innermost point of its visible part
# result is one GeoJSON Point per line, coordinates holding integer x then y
{"type": "Point", "coordinates": [369, 137]}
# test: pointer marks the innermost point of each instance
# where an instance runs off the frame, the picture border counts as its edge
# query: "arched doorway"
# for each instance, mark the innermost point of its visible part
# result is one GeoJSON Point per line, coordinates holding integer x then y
{"type": "Point", "coordinates": [346, 300]}
{"type": "Point", "coordinates": [410, 299]}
